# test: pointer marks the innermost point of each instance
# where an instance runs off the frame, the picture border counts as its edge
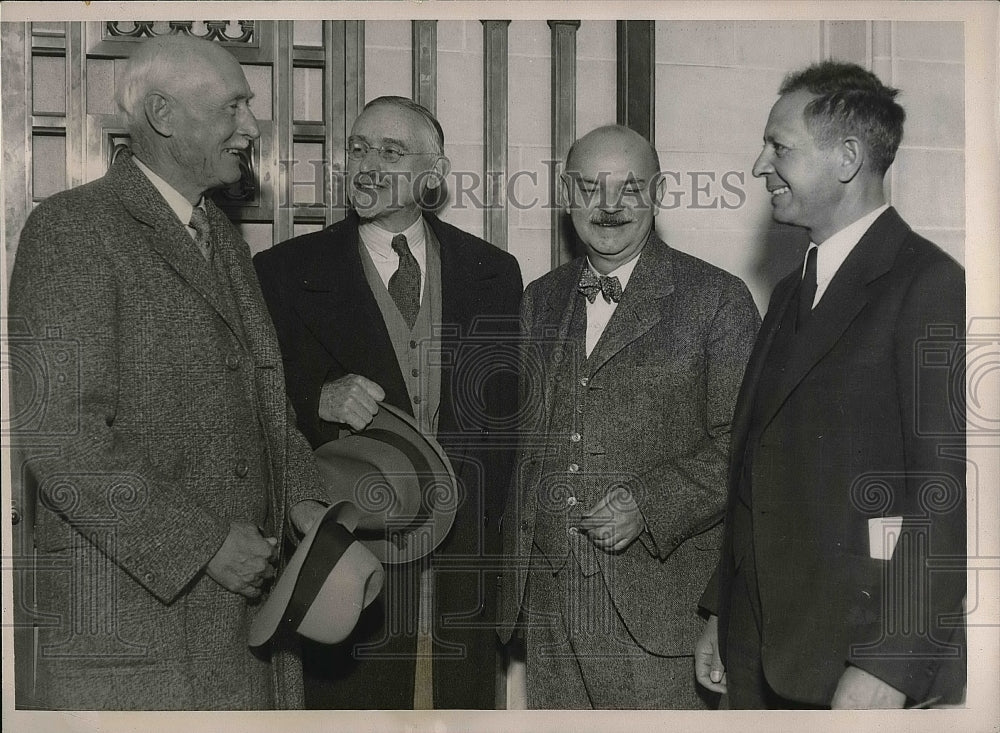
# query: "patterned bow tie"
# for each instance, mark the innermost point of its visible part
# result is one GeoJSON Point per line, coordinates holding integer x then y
{"type": "Point", "coordinates": [609, 287]}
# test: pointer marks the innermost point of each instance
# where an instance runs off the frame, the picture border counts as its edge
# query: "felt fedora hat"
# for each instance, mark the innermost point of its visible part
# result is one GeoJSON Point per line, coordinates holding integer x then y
{"type": "Point", "coordinates": [400, 481]}
{"type": "Point", "coordinates": [328, 581]}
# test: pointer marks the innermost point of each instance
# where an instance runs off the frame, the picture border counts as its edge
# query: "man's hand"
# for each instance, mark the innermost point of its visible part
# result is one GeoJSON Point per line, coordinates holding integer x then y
{"type": "Point", "coordinates": [708, 669]}
{"type": "Point", "coordinates": [245, 561]}
{"type": "Point", "coordinates": [860, 690]}
{"type": "Point", "coordinates": [352, 399]}
{"type": "Point", "coordinates": [304, 514]}
{"type": "Point", "coordinates": [614, 522]}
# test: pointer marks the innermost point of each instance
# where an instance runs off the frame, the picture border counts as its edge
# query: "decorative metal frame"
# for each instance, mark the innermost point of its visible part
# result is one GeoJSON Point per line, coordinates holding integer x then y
{"type": "Point", "coordinates": [215, 30]}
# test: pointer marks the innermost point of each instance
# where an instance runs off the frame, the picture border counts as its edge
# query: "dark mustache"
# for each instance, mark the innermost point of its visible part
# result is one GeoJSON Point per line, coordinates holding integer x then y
{"type": "Point", "coordinates": [605, 219]}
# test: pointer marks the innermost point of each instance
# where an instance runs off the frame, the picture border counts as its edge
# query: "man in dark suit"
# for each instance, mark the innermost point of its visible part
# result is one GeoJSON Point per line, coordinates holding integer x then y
{"type": "Point", "coordinates": [633, 357]}
{"type": "Point", "coordinates": [842, 578]}
{"type": "Point", "coordinates": [394, 305]}
{"type": "Point", "coordinates": [172, 465]}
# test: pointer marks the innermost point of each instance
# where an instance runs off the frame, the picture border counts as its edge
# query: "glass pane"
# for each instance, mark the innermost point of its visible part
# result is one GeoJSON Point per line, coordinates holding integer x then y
{"type": "Point", "coordinates": [307, 174]}
{"type": "Point", "coordinates": [48, 28]}
{"type": "Point", "coordinates": [48, 85]}
{"type": "Point", "coordinates": [101, 87]}
{"type": "Point", "coordinates": [307, 33]}
{"type": "Point", "coordinates": [307, 90]}
{"type": "Point", "coordinates": [306, 228]}
{"type": "Point", "coordinates": [48, 165]}
{"type": "Point", "coordinates": [259, 79]}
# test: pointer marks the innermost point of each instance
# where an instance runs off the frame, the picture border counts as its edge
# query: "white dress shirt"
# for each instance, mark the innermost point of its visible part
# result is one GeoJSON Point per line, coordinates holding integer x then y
{"type": "Point", "coordinates": [834, 251]}
{"type": "Point", "coordinates": [600, 311]}
{"type": "Point", "coordinates": [378, 242]}
{"type": "Point", "coordinates": [175, 200]}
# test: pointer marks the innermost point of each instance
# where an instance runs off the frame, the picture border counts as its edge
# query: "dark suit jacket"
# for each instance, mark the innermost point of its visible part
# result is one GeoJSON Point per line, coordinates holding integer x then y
{"type": "Point", "coordinates": [863, 424]}
{"type": "Point", "coordinates": [662, 383]}
{"type": "Point", "coordinates": [329, 325]}
{"type": "Point", "coordinates": [152, 447]}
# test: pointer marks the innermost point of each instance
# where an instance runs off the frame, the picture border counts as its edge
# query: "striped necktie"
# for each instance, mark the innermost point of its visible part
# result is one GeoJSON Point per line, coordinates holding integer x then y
{"type": "Point", "coordinates": [203, 232]}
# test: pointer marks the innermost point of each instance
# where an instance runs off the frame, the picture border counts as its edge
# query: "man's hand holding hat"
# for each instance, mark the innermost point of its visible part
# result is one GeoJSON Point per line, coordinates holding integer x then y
{"type": "Point", "coordinates": [351, 400]}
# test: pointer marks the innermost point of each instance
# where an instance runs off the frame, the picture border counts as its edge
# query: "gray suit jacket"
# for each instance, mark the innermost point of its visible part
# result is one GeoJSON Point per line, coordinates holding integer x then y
{"type": "Point", "coordinates": [662, 383]}
{"type": "Point", "coordinates": [149, 434]}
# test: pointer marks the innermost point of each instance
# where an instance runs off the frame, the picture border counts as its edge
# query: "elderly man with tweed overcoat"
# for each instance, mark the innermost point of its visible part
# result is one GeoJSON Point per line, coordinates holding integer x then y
{"type": "Point", "coordinates": [633, 359]}
{"type": "Point", "coordinates": [160, 513]}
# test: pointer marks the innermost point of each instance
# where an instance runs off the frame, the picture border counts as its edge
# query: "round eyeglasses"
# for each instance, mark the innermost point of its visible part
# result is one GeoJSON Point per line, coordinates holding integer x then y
{"type": "Point", "coordinates": [358, 149]}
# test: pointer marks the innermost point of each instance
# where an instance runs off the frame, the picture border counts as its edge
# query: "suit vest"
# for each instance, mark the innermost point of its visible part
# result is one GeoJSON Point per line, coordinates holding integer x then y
{"type": "Point", "coordinates": [417, 350]}
{"type": "Point", "coordinates": [567, 489]}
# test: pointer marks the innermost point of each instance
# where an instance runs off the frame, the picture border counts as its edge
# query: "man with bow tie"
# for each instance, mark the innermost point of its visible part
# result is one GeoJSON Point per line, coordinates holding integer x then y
{"type": "Point", "coordinates": [394, 305]}
{"type": "Point", "coordinates": [633, 358]}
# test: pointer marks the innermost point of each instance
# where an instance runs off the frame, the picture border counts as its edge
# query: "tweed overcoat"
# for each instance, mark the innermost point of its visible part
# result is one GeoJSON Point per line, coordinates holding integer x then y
{"type": "Point", "coordinates": [864, 421]}
{"type": "Point", "coordinates": [329, 325]}
{"type": "Point", "coordinates": [654, 415]}
{"type": "Point", "coordinates": [152, 448]}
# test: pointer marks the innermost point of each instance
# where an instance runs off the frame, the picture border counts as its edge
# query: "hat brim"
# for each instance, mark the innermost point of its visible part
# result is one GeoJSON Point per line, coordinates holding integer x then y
{"type": "Point", "coordinates": [405, 537]}
{"type": "Point", "coordinates": [329, 580]}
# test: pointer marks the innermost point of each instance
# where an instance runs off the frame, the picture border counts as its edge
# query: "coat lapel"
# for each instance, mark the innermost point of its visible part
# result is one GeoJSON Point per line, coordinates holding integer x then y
{"type": "Point", "coordinates": [783, 292]}
{"type": "Point", "coordinates": [639, 308]}
{"type": "Point", "coordinates": [462, 280]}
{"type": "Point", "coordinates": [339, 308]}
{"type": "Point", "coordinates": [167, 236]}
{"type": "Point", "coordinates": [848, 294]}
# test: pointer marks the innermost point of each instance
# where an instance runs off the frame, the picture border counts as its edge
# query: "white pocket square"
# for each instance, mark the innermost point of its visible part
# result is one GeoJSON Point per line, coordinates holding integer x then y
{"type": "Point", "coordinates": [883, 532]}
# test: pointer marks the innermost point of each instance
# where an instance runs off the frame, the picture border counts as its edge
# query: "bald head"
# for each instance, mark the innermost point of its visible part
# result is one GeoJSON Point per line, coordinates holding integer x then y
{"type": "Point", "coordinates": [174, 65]}
{"type": "Point", "coordinates": [632, 145]}
{"type": "Point", "coordinates": [611, 186]}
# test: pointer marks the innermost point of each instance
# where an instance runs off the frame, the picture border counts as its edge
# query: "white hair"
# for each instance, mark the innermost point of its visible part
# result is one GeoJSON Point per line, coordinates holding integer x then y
{"type": "Point", "coordinates": [157, 63]}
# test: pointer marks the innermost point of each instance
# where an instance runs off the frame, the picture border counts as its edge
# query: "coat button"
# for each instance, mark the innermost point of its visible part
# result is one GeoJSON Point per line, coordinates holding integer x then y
{"type": "Point", "coordinates": [571, 501]}
{"type": "Point", "coordinates": [242, 469]}
{"type": "Point", "coordinates": [416, 400]}
{"type": "Point", "coordinates": [149, 577]}
{"type": "Point", "coordinates": [584, 381]}
{"type": "Point", "coordinates": [233, 362]}
{"type": "Point", "coordinates": [575, 437]}
{"type": "Point", "coordinates": [573, 530]}
{"type": "Point", "coordinates": [574, 467]}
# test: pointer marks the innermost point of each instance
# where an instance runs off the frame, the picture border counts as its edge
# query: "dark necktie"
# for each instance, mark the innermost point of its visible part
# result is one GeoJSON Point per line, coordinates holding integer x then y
{"type": "Point", "coordinates": [404, 285]}
{"type": "Point", "coordinates": [807, 290]}
{"type": "Point", "coordinates": [203, 232]}
{"type": "Point", "coordinates": [591, 284]}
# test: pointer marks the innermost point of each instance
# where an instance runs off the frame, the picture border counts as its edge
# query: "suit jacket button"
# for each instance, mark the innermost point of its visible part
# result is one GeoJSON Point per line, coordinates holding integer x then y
{"type": "Point", "coordinates": [233, 362]}
{"type": "Point", "coordinates": [242, 469]}
{"type": "Point", "coordinates": [149, 577]}
{"type": "Point", "coordinates": [574, 467]}
{"type": "Point", "coordinates": [575, 437]}
{"type": "Point", "coordinates": [584, 381]}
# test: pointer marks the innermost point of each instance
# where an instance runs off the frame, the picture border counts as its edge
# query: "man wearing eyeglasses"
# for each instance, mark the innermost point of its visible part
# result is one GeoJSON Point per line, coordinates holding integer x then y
{"type": "Point", "coordinates": [392, 305]}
